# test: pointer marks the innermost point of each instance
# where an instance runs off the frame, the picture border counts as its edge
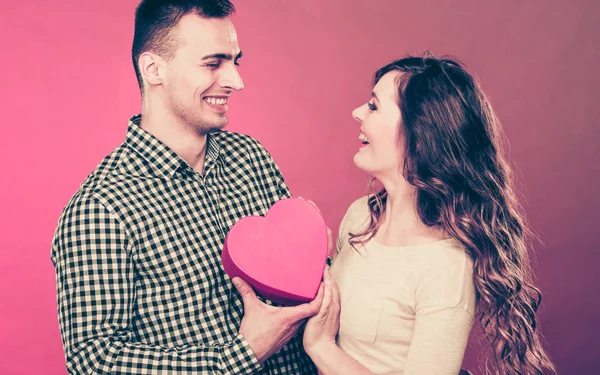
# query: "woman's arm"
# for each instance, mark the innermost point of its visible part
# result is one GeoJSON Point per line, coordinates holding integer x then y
{"type": "Point", "coordinates": [320, 332]}
{"type": "Point", "coordinates": [444, 309]}
{"type": "Point", "coordinates": [331, 360]}
{"type": "Point", "coordinates": [439, 341]}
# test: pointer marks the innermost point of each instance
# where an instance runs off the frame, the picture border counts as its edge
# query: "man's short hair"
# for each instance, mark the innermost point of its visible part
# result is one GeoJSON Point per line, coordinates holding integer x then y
{"type": "Point", "coordinates": [155, 20]}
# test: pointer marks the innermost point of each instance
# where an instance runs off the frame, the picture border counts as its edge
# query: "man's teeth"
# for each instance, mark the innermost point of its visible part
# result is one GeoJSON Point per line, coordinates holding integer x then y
{"type": "Point", "coordinates": [216, 101]}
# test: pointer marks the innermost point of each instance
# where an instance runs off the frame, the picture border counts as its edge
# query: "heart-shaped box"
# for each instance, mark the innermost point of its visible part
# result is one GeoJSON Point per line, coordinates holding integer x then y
{"type": "Point", "coordinates": [282, 255]}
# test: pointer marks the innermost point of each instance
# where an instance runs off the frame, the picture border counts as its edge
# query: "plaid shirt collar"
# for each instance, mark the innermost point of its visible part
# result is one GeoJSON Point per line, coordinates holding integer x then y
{"type": "Point", "coordinates": [160, 156]}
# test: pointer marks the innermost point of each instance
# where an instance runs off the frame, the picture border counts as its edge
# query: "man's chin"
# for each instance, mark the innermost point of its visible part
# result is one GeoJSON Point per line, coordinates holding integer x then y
{"type": "Point", "coordinates": [218, 126]}
{"type": "Point", "coordinates": [205, 127]}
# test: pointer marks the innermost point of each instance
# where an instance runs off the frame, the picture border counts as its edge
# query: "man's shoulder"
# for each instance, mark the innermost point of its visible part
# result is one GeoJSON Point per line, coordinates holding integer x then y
{"type": "Point", "coordinates": [109, 166]}
{"type": "Point", "coordinates": [102, 177]}
{"type": "Point", "coordinates": [105, 188]}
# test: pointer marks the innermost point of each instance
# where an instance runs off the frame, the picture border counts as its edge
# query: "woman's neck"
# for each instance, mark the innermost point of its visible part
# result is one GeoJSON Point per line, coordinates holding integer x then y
{"type": "Point", "coordinates": [401, 224]}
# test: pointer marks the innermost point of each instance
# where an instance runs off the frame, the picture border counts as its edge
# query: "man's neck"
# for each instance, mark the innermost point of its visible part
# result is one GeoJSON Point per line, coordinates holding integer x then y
{"type": "Point", "coordinates": [183, 139]}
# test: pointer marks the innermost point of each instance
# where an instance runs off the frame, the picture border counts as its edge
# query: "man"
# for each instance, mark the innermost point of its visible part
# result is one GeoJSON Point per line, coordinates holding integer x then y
{"type": "Point", "coordinates": [137, 251]}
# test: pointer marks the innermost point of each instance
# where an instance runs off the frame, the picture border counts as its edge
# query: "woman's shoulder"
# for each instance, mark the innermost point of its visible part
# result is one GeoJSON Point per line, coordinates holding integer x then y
{"type": "Point", "coordinates": [356, 219]}
{"type": "Point", "coordinates": [446, 276]}
{"type": "Point", "coordinates": [447, 256]}
{"type": "Point", "coordinates": [357, 216]}
{"type": "Point", "coordinates": [358, 210]}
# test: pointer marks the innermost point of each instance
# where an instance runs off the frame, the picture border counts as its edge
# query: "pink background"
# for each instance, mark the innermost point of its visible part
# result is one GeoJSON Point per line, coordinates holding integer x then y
{"type": "Point", "coordinates": [68, 88]}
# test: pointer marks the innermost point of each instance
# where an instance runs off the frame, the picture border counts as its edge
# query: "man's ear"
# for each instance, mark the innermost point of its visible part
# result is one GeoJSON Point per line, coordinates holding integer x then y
{"type": "Point", "coordinates": [150, 65]}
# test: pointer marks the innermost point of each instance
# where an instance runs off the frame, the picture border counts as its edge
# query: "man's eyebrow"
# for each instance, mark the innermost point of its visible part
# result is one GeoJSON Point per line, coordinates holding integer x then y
{"type": "Point", "coordinates": [222, 56]}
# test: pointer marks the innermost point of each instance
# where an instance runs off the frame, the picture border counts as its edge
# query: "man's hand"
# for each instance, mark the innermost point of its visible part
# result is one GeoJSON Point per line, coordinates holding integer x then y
{"type": "Point", "coordinates": [268, 328]}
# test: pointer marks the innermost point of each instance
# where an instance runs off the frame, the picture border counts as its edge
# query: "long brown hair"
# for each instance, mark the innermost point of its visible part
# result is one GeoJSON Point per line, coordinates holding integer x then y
{"type": "Point", "coordinates": [453, 158]}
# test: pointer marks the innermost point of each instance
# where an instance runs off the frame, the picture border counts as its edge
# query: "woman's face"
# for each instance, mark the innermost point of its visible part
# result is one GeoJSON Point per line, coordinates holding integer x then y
{"type": "Point", "coordinates": [381, 152]}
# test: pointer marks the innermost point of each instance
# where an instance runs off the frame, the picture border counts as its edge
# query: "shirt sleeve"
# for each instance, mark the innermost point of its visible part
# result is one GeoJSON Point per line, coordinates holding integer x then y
{"type": "Point", "coordinates": [282, 189]}
{"type": "Point", "coordinates": [95, 284]}
{"type": "Point", "coordinates": [445, 302]}
{"type": "Point", "coordinates": [343, 235]}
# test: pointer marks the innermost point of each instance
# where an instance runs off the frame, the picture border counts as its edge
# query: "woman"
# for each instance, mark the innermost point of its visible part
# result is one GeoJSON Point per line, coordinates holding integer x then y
{"type": "Point", "coordinates": [441, 243]}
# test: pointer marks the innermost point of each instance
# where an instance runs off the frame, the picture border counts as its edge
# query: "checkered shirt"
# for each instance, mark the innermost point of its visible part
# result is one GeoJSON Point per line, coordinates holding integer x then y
{"type": "Point", "coordinates": [137, 252]}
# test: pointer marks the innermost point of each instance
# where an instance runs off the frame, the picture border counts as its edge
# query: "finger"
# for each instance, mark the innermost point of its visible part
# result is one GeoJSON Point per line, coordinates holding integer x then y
{"type": "Point", "coordinates": [314, 204]}
{"type": "Point", "coordinates": [309, 309]}
{"type": "Point", "coordinates": [335, 299]}
{"type": "Point", "coordinates": [316, 303]}
{"type": "Point", "coordinates": [330, 282]}
{"type": "Point", "coordinates": [329, 240]}
{"type": "Point", "coordinates": [327, 279]}
{"type": "Point", "coordinates": [245, 290]}
{"type": "Point", "coordinates": [327, 299]}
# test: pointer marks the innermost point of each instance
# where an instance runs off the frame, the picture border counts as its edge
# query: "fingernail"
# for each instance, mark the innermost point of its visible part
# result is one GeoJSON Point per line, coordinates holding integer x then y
{"type": "Point", "coordinates": [236, 282]}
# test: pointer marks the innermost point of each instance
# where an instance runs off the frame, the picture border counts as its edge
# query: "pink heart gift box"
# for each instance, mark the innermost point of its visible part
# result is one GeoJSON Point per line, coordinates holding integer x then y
{"type": "Point", "coordinates": [282, 255]}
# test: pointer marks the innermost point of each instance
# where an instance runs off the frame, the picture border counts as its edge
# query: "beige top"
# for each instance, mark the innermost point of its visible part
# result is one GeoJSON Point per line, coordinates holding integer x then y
{"type": "Point", "coordinates": [405, 310]}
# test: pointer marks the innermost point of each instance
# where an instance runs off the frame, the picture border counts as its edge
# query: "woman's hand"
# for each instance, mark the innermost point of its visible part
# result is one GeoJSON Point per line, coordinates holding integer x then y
{"type": "Point", "coordinates": [321, 329]}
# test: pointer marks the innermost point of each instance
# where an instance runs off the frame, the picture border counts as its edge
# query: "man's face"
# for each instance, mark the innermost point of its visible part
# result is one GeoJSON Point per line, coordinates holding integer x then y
{"type": "Point", "coordinates": [203, 73]}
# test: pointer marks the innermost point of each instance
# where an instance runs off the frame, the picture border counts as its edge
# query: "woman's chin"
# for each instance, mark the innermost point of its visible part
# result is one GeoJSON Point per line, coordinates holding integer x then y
{"type": "Point", "coordinates": [369, 166]}
{"type": "Point", "coordinates": [360, 163]}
